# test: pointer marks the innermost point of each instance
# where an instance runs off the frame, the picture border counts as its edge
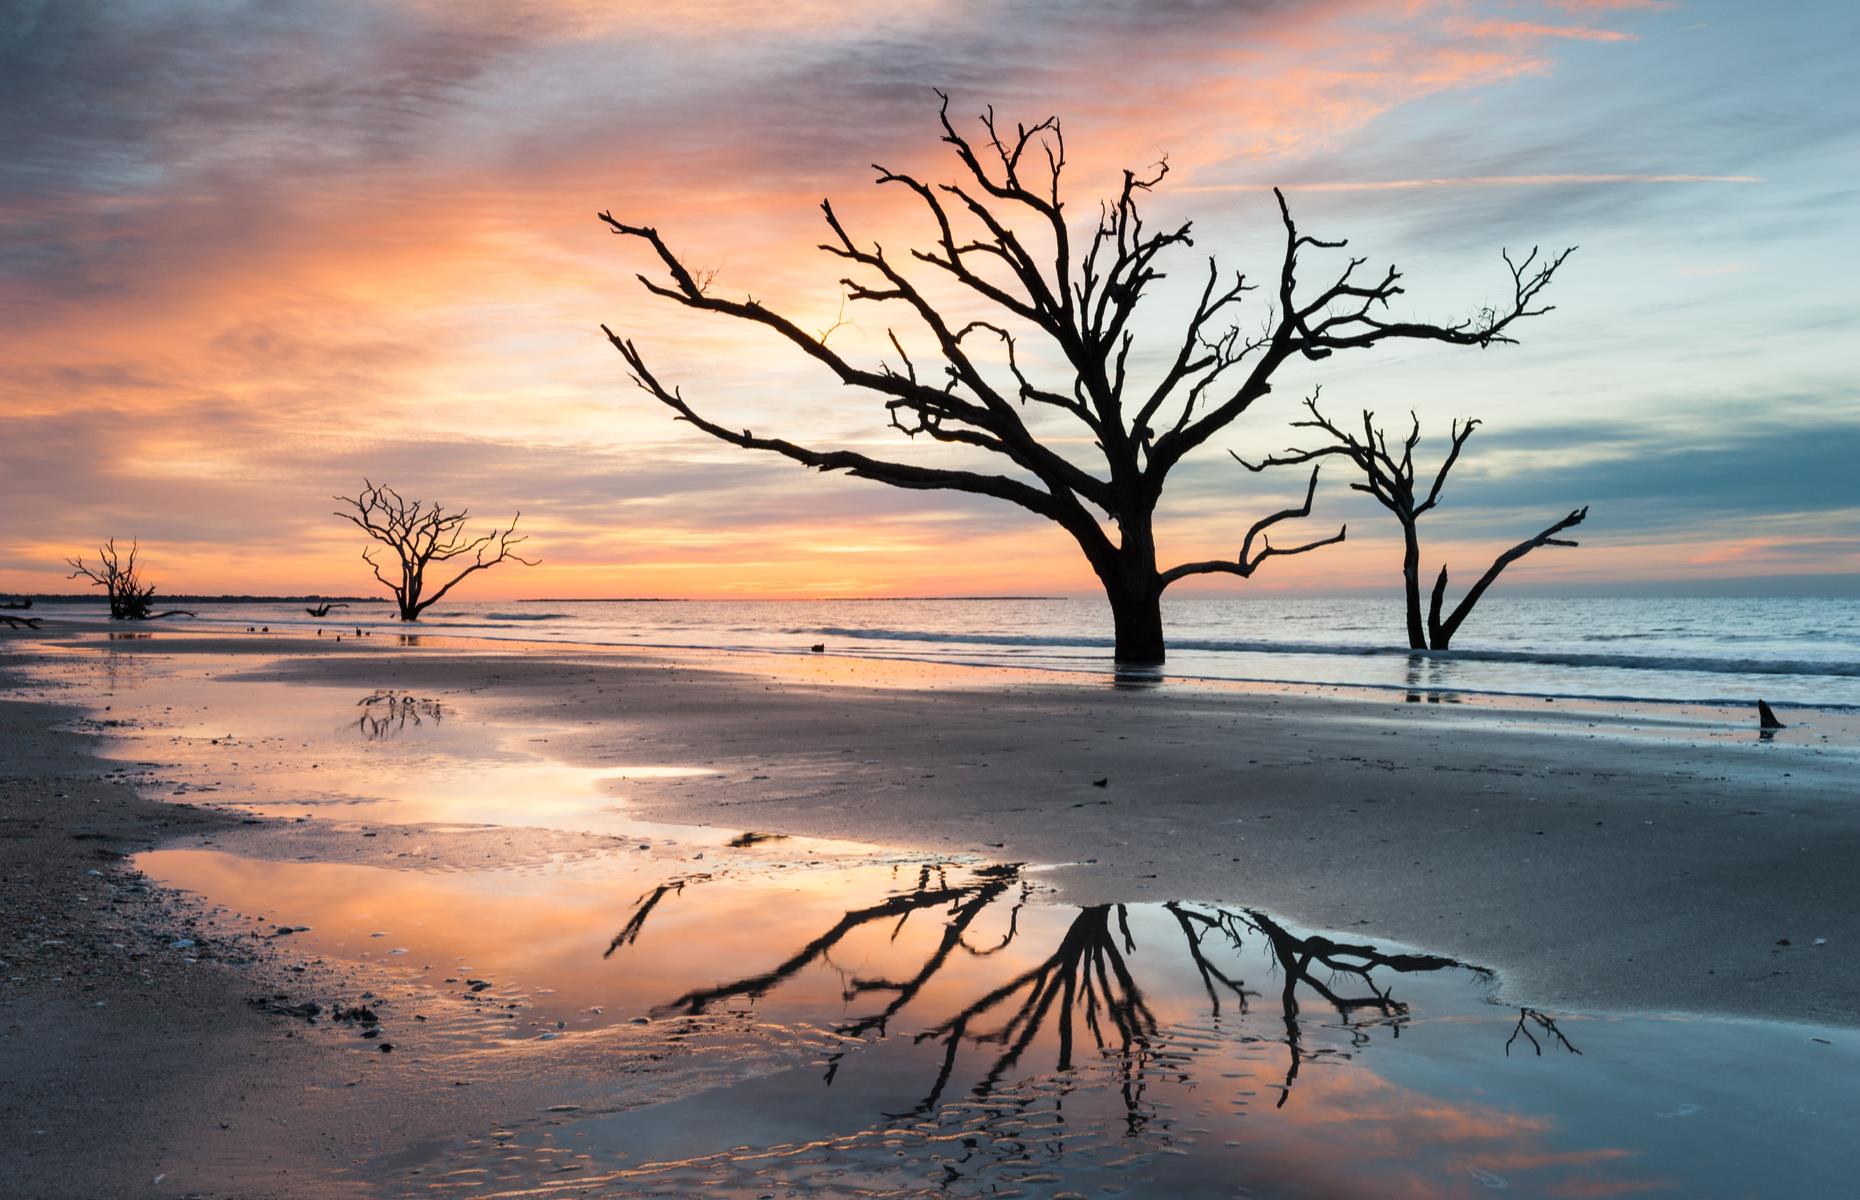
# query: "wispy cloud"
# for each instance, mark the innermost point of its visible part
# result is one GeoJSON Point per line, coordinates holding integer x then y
{"type": "Point", "coordinates": [1449, 181]}
{"type": "Point", "coordinates": [1531, 29]}
{"type": "Point", "coordinates": [1615, 5]}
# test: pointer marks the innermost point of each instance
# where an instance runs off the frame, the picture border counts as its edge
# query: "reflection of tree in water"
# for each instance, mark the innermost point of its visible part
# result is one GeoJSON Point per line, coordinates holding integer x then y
{"type": "Point", "coordinates": [1430, 678]}
{"type": "Point", "coordinates": [1527, 1017]}
{"type": "Point", "coordinates": [388, 714]}
{"type": "Point", "coordinates": [629, 933]}
{"type": "Point", "coordinates": [1324, 966]}
{"type": "Point", "coordinates": [967, 900]}
{"type": "Point", "coordinates": [1085, 988]}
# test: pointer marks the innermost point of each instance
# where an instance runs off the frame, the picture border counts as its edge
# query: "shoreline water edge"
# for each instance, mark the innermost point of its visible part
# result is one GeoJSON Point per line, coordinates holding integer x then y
{"type": "Point", "coordinates": [1792, 651]}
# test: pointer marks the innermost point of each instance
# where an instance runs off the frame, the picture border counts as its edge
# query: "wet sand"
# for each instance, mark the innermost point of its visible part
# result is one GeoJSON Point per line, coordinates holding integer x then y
{"type": "Point", "coordinates": [1624, 860]}
{"type": "Point", "coordinates": [1627, 860]}
{"type": "Point", "coordinates": [152, 1044]}
{"type": "Point", "coordinates": [1605, 862]}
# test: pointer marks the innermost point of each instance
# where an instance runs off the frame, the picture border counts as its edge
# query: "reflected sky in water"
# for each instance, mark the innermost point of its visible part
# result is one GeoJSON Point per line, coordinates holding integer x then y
{"type": "Point", "coordinates": [944, 1029]}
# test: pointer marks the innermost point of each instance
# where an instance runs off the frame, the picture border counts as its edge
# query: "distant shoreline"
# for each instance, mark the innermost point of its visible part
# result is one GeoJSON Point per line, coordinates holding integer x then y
{"type": "Point", "coordinates": [1836, 586]}
{"type": "Point", "coordinates": [186, 598]}
{"type": "Point", "coordinates": [775, 599]}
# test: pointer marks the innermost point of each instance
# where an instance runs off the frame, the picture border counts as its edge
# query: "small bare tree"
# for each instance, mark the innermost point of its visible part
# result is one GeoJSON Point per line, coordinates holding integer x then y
{"type": "Point", "coordinates": [1389, 477]}
{"type": "Point", "coordinates": [419, 536]}
{"type": "Point", "coordinates": [116, 572]}
{"type": "Point", "coordinates": [1002, 235]}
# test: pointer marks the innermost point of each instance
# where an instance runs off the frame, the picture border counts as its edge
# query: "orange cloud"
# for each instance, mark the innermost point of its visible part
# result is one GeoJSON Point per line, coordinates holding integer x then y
{"type": "Point", "coordinates": [1528, 29]}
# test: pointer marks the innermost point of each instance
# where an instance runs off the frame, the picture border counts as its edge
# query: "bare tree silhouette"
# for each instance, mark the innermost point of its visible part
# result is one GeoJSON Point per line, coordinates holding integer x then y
{"type": "Point", "coordinates": [116, 572]}
{"type": "Point", "coordinates": [1389, 476]}
{"type": "Point", "coordinates": [1003, 235]}
{"type": "Point", "coordinates": [420, 535]}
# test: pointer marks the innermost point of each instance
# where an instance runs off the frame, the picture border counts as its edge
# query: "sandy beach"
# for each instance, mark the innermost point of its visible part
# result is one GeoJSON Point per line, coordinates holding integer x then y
{"type": "Point", "coordinates": [1653, 861]}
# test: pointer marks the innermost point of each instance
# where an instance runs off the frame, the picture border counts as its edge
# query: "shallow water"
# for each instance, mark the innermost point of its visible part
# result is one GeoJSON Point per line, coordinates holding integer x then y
{"type": "Point", "coordinates": [1796, 650]}
{"type": "Point", "coordinates": [709, 1013]}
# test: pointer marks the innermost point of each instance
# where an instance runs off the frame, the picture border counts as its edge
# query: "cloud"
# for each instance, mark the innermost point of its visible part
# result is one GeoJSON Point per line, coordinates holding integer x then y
{"type": "Point", "coordinates": [1402, 185]}
{"type": "Point", "coordinates": [250, 251]}
{"type": "Point", "coordinates": [1616, 5]}
{"type": "Point", "coordinates": [1530, 29]}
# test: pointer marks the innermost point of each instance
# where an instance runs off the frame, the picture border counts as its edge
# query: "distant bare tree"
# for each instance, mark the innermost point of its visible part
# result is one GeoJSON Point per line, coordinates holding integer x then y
{"type": "Point", "coordinates": [1389, 476]}
{"type": "Point", "coordinates": [131, 599]}
{"type": "Point", "coordinates": [420, 535]}
{"type": "Point", "coordinates": [1002, 234]}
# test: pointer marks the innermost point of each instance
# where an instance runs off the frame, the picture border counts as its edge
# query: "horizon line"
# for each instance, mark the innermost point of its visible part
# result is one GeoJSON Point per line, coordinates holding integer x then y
{"type": "Point", "coordinates": [1833, 589]}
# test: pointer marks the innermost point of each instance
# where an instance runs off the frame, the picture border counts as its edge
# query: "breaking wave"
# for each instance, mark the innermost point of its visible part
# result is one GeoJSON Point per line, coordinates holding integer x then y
{"type": "Point", "coordinates": [1555, 658]}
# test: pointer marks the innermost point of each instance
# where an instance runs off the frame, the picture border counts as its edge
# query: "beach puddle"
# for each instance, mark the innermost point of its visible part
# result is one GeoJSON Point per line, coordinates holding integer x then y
{"type": "Point", "coordinates": [775, 1022]}
{"type": "Point", "coordinates": [193, 730]}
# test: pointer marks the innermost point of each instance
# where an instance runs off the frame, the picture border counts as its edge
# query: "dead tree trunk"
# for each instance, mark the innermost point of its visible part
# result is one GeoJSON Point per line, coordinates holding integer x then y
{"type": "Point", "coordinates": [1388, 476]}
{"type": "Point", "coordinates": [420, 535]}
{"type": "Point", "coordinates": [1136, 622]}
{"type": "Point", "coordinates": [1002, 237]}
{"type": "Point", "coordinates": [1411, 583]}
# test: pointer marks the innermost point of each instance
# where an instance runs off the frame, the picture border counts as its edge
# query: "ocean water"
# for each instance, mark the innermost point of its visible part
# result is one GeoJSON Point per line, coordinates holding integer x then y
{"type": "Point", "coordinates": [1701, 650]}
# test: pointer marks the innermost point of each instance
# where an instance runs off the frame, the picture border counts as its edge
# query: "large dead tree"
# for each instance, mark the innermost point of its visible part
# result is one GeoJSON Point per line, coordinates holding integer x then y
{"type": "Point", "coordinates": [1003, 234]}
{"type": "Point", "coordinates": [1389, 476]}
{"type": "Point", "coordinates": [421, 535]}
{"type": "Point", "coordinates": [116, 572]}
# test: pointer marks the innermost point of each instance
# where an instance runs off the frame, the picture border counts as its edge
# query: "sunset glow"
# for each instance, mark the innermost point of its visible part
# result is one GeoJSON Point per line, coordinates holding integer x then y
{"type": "Point", "coordinates": [276, 249]}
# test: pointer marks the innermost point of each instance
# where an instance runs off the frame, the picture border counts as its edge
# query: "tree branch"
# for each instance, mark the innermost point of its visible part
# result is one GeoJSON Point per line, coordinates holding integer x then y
{"type": "Point", "coordinates": [1440, 633]}
{"type": "Point", "coordinates": [1248, 561]}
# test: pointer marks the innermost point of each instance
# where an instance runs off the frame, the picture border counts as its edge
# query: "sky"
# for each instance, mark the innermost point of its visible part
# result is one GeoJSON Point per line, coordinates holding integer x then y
{"type": "Point", "coordinates": [251, 253]}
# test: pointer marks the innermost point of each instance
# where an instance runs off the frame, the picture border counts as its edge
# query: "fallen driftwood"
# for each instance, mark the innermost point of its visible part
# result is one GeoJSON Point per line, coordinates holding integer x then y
{"type": "Point", "coordinates": [17, 622]}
